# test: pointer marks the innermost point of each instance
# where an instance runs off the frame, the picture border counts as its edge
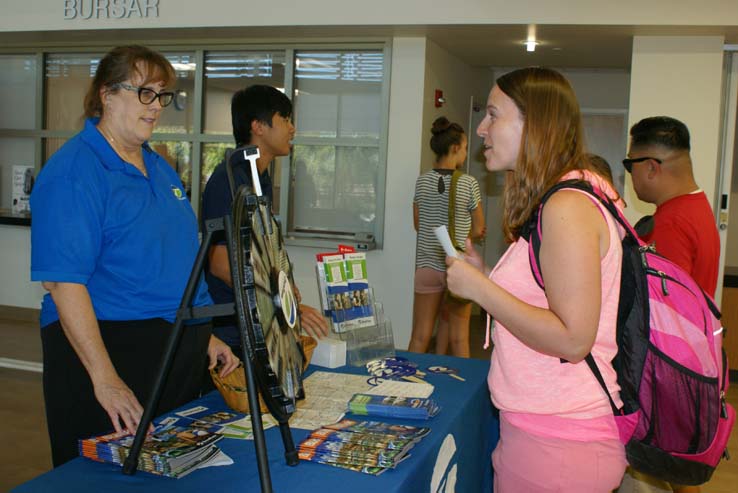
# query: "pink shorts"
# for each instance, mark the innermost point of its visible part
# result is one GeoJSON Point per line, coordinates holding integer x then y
{"type": "Point", "coordinates": [429, 281]}
{"type": "Point", "coordinates": [527, 463]}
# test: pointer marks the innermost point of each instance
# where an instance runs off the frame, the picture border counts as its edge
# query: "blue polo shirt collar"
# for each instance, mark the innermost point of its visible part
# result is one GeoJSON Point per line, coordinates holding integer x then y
{"type": "Point", "coordinates": [108, 157]}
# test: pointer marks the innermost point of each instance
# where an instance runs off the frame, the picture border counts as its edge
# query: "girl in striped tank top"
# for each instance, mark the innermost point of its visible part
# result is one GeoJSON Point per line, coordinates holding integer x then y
{"type": "Point", "coordinates": [430, 210]}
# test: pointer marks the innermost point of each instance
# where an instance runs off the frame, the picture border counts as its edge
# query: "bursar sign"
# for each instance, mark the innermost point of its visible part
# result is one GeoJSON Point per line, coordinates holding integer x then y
{"type": "Point", "coordinates": [110, 9]}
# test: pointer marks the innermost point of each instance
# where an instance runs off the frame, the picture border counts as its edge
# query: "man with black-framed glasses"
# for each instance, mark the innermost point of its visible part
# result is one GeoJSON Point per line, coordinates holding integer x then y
{"type": "Point", "coordinates": [683, 227]}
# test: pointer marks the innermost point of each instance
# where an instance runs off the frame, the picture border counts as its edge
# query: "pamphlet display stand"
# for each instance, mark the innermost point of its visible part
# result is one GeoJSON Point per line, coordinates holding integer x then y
{"type": "Point", "coordinates": [348, 301]}
{"type": "Point", "coordinates": [369, 343]}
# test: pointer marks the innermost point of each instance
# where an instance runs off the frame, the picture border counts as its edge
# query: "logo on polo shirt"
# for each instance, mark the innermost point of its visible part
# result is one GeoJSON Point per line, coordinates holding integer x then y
{"type": "Point", "coordinates": [178, 193]}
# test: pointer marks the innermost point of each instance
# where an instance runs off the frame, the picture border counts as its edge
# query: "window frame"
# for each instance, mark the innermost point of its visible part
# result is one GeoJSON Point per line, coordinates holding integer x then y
{"type": "Point", "coordinates": [198, 138]}
{"type": "Point", "coordinates": [322, 239]}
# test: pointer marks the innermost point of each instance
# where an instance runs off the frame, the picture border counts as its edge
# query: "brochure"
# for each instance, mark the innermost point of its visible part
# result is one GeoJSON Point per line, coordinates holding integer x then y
{"type": "Point", "coordinates": [370, 447]}
{"type": "Point", "coordinates": [393, 406]}
{"type": "Point", "coordinates": [172, 451]}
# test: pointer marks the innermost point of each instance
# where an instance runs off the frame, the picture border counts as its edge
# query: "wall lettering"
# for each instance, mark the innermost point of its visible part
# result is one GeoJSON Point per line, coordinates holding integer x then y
{"type": "Point", "coordinates": [110, 9]}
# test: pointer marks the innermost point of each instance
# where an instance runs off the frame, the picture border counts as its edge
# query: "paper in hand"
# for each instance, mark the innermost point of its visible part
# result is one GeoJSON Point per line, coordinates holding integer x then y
{"type": "Point", "coordinates": [445, 240]}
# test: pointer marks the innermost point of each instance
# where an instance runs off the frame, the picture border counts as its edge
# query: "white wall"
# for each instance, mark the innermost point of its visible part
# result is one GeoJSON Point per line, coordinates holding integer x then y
{"type": "Point", "coordinates": [679, 77]}
{"type": "Point", "coordinates": [40, 15]}
{"type": "Point", "coordinates": [459, 83]}
{"type": "Point", "coordinates": [16, 288]}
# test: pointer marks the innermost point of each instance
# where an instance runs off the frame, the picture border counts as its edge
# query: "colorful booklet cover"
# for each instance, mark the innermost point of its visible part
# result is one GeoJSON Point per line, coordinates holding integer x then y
{"type": "Point", "coordinates": [393, 406]}
{"type": "Point", "coordinates": [228, 423]}
{"type": "Point", "coordinates": [380, 428]}
{"type": "Point", "coordinates": [350, 453]}
{"type": "Point", "coordinates": [344, 289]}
{"type": "Point", "coordinates": [171, 451]}
{"type": "Point", "coordinates": [361, 309]}
{"type": "Point", "coordinates": [370, 447]}
{"type": "Point", "coordinates": [388, 442]}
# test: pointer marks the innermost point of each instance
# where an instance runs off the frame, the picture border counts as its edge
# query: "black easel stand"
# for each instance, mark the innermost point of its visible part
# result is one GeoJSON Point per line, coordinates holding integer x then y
{"type": "Point", "coordinates": [186, 312]}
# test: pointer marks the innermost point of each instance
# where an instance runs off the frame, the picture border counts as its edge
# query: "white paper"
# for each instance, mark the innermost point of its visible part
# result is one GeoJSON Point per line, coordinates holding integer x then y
{"type": "Point", "coordinates": [445, 240]}
{"type": "Point", "coordinates": [326, 397]}
{"type": "Point", "coordinates": [402, 389]}
{"type": "Point", "coordinates": [242, 429]}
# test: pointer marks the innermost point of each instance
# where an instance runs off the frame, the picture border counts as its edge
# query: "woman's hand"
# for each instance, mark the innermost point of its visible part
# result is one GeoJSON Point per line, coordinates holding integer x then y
{"type": "Point", "coordinates": [463, 277]}
{"type": "Point", "coordinates": [219, 351]}
{"type": "Point", "coordinates": [314, 323]}
{"type": "Point", "coordinates": [119, 402]}
{"type": "Point", "coordinates": [472, 257]}
{"type": "Point", "coordinates": [78, 321]}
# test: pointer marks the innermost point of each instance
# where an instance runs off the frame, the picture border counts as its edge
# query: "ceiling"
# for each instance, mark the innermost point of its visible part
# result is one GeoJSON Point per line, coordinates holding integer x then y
{"type": "Point", "coordinates": [563, 46]}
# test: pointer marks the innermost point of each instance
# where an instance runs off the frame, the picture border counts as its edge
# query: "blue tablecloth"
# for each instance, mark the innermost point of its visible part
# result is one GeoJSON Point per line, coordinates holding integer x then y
{"type": "Point", "coordinates": [455, 456]}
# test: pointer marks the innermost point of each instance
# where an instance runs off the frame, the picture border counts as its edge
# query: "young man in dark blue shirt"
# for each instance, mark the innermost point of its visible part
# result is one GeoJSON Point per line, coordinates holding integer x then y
{"type": "Point", "coordinates": [261, 116]}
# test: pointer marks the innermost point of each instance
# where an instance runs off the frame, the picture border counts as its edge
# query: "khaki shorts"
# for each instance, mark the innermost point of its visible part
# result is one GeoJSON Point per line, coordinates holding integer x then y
{"type": "Point", "coordinates": [428, 281]}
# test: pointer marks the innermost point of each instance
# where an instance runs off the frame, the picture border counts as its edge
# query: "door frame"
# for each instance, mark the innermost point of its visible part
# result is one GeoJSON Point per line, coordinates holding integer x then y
{"type": "Point", "coordinates": [721, 204]}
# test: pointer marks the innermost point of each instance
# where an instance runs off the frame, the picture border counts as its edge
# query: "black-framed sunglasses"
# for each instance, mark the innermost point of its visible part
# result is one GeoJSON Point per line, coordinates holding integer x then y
{"type": "Point", "coordinates": [628, 163]}
{"type": "Point", "coordinates": [148, 96]}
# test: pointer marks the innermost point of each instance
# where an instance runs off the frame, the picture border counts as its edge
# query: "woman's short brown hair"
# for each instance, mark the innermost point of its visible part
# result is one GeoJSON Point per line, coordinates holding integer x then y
{"type": "Point", "coordinates": [120, 64]}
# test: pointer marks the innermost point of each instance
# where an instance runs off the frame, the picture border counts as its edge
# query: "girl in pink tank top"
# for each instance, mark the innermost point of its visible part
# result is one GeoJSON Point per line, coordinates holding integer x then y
{"type": "Point", "coordinates": [557, 430]}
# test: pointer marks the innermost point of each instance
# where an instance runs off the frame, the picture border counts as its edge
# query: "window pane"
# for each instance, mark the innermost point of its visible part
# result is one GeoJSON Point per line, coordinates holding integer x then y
{"type": "Point", "coordinates": [67, 80]}
{"type": "Point", "coordinates": [178, 117]}
{"type": "Point", "coordinates": [179, 157]}
{"type": "Point", "coordinates": [338, 94]}
{"type": "Point", "coordinates": [13, 152]}
{"type": "Point", "coordinates": [333, 189]}
{"type": "Point", "coordinates": [226, 73]}
{"type": "Point", "coordinates": [68, 77]}
{"type": "Point", "coordinates": [17, 91]}
{"type": "Point", "coordinates": [213, 154]}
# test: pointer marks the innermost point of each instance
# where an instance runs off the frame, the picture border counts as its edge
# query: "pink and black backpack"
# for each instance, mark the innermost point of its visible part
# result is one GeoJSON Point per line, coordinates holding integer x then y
{"type": "Point", "coordinates": [670, 365]}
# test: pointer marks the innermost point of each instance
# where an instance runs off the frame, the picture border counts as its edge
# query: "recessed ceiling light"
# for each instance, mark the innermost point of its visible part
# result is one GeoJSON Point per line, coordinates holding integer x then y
{"type": "Point", "coordinates": [530, 45]}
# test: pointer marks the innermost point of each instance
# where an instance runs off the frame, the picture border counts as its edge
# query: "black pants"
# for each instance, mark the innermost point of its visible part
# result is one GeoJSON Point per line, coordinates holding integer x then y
{"type": "Point", "coordinates": [136, 349]}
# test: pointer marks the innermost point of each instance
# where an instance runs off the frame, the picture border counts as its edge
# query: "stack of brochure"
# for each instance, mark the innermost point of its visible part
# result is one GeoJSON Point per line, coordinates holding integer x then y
{"type": "Point", "coordinates": [392, 406]}
{"type": "Point", "coordinates": [172, 451]}
{"type": "Point", "coordinates": [370, 447]}
{"type": "Point", "coordinates": [344, 289]}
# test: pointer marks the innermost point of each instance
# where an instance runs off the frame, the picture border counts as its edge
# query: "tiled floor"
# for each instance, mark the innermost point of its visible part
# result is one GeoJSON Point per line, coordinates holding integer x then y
{"type": "Point", "coordinates": [25, 453]}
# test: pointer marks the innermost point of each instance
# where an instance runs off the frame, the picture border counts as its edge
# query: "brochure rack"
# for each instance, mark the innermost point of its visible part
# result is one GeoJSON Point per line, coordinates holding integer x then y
{"type": "Point", "coordinates": [349, 302]}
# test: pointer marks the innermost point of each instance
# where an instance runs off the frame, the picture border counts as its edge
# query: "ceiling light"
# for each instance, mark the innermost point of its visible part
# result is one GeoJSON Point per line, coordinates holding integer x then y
{"type": "Point", "coordinates": [530, 45]}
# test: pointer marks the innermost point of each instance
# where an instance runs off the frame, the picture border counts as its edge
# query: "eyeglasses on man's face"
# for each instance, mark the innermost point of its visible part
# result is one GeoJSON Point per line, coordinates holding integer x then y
{"type": "Point", "coordinates": [628, 163]}
{"type": "Point", "coordinates": [148, 96]}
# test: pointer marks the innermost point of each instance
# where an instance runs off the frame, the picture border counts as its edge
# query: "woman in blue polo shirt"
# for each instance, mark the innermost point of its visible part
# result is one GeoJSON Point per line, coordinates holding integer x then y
{"type": "Point", "coordinates": [113, 240]}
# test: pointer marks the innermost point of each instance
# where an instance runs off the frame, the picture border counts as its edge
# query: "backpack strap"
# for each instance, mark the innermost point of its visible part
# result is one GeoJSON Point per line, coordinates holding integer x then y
{"type": "Point", "coordinates": [452, 208]}
{"type": "Point", "coordinates": [534, 231]}
{"type": "Point", "coordinates": [601, 380]}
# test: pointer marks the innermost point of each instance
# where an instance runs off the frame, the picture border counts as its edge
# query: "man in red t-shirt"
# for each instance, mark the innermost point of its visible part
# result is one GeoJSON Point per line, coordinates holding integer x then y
{"type": "Point", "coordinates": [682, 229]}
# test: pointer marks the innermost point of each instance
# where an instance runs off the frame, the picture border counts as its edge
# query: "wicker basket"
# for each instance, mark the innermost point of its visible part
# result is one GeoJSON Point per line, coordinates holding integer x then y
{"type": "Point", "coordinates": [233, 386]}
